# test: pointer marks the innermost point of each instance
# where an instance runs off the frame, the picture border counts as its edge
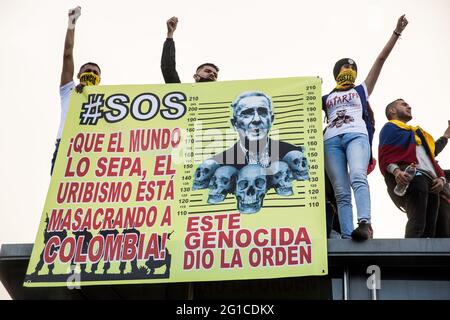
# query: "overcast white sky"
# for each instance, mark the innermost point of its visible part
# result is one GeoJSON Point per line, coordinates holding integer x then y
{"type": "Point", "coordinates": [247, 39]}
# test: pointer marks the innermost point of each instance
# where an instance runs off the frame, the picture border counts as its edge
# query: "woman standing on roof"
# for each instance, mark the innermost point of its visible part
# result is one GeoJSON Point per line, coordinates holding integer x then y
{"type": "Point", "coordinates": [348, 136]}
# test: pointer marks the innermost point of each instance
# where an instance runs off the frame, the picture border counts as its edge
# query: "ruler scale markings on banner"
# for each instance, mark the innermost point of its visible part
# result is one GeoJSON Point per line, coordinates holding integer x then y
{"type": "Point", "coordinates": [217, 102]}
{"type": "Point", "coordinates": [210, 123]}
{"type": "Point", "coordinates": [289, 111]}
{"type": "Point", "coordinates": [288, 95]}
{"type": "Point", "coordinates": [283, 101]}
{"type": "Point", "coordinates": [211, 206]}
{"type": "Point", "coordinates": [286, 107]}
{"type": "Point", "coordinates": [290, 117]}
{"type": "Point", "coordinates": [218, 128]}
{"type": "Point", "coordinates": [213, 118]}
{"type": "Point", "coordinates": [276, 197]}
{"type": "Point", "coordinates": [286, 206]}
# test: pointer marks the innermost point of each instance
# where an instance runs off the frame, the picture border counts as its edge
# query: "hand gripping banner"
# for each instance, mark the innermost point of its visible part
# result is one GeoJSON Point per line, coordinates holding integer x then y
{"type": "Point", "coordinates": [186, 182]}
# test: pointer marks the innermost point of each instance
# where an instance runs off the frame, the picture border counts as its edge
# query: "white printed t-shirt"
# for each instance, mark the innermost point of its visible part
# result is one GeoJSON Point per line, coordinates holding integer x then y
{"type": "Point", "coordinates": [344, 111]}
{"type": "Point", "coordinates": [64, 92]}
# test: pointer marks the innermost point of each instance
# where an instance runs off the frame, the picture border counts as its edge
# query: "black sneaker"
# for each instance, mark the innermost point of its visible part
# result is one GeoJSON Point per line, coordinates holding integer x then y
{"type": "Point", "coordinates": [363, 232]}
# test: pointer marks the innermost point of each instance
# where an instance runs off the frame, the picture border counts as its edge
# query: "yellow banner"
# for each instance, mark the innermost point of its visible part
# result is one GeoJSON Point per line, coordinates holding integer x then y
{"type": "Point", "coordinates": [186, 182]}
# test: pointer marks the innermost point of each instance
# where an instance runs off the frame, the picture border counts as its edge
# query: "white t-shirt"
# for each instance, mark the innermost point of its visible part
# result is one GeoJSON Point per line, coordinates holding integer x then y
{"type": "Point", "coordinates": [64, 92]}
{"type": "Point", "coordinates": [344, 111]}
{"type": "Point", "coordinates": [424, 160]}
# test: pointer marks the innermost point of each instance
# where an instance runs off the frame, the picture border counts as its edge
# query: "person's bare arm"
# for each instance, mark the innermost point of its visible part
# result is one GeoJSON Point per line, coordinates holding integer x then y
{"type": "Point", "coordinates": [68, 61]}
{"type": "Point", "coordinates": [374, 73]}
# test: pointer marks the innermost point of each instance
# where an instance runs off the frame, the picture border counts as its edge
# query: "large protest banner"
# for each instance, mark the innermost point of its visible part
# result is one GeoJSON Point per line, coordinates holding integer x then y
{"type": "Point", "coordinates": [186, 182]}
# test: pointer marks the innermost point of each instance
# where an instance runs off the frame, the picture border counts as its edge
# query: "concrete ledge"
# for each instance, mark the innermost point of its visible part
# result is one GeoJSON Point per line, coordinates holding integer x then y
{"type": "Point", "coordinates": [397, 247]}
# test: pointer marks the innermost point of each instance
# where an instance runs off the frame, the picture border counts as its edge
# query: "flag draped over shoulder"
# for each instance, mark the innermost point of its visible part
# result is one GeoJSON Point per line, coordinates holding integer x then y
{"type": "Point", "coordinates": [398, 145]}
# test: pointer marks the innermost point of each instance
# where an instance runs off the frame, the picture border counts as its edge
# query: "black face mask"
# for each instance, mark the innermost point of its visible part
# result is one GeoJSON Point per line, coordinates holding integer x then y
{"type": "Point", "coordinates": [201, 79]}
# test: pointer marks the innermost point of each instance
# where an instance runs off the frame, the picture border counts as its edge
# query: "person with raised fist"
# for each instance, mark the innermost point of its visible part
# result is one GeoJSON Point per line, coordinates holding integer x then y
{"type": "Point", "coordinates": [206, 72]}
{"type": "Point", "coordinates": [88, 75]}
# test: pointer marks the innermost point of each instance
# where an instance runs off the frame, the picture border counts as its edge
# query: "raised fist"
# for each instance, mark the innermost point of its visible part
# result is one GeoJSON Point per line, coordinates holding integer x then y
{"type": "Point", "coordinates": [401, 24]}
{"type": "Point", "coordinates": [171, 26]}
{"type": "Point", "coordinates": [74, 14]}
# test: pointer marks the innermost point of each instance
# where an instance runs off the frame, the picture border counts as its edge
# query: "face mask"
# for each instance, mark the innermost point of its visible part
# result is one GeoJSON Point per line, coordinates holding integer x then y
{"type": "Point", "coordinates": [89, 79]}
{"type": "Point", "coordinates": [345, 78]}
{"type": "Point", "coordinates": [201, 79]}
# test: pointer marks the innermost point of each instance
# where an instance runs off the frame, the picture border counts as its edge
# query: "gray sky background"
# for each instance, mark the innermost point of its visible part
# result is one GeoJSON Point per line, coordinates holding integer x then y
{"type": "Point", "coordinates": [247, 39]}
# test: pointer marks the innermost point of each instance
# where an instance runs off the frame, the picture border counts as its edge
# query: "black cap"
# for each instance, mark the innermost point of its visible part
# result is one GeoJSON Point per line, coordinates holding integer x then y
{"type": "Point", "coordinates": [340, 63]}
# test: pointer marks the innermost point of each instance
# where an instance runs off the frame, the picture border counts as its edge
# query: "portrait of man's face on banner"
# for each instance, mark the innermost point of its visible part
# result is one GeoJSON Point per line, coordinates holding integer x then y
{"type": "Point", "coordinates": [255, 163]}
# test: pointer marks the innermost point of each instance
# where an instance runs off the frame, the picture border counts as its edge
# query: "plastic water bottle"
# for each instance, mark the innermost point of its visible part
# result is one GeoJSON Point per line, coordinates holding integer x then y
{"type": "Point", "coordinates": [411, 171]}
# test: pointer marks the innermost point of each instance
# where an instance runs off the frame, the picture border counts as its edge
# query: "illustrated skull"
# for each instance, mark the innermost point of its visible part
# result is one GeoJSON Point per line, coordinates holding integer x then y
{"type": "Point", "coordinates": [204, 173]}
{"type": "Point", "coordinates": [298, 164]}
{"type": "Point", "coordinates": [282, 178]}
{"type": "Point", "coordinates": [251, 188]}
{"type": "Point", "coordinates": [222, 182]}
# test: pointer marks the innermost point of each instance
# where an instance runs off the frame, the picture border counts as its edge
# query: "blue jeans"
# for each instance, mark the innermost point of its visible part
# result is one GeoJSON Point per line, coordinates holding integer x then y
{"type": "Point", "coordinates": [346, 159]}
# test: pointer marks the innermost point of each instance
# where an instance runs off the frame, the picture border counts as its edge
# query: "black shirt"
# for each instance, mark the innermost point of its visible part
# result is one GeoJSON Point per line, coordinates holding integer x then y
{"type": "Point", "coordinates": [168, 64]}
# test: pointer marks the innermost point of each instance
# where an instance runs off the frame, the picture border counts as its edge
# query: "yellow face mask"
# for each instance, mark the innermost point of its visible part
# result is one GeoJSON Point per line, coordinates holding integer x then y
{"type": "Point", "coordinates": [89, 79]}
{"type": "Point", "coordinates": [345, 78]}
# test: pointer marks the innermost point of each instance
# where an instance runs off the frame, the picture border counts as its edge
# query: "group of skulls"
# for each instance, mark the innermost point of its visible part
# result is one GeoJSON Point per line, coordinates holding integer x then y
{"type": "Point", "coordinates": [251, 183]}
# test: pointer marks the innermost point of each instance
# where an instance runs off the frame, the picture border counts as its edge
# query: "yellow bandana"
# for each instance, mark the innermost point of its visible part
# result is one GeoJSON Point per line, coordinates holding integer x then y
{"type": "Point", "coordinates": [89, 79]}
{"type": "Point", "coordinates": [345, 78]}
{"type": "Point", "coordinates": [428, 138]}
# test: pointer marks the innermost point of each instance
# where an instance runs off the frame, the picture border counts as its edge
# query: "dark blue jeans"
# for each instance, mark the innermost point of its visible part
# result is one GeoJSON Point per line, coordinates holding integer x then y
{"type": "Point", "coordinates": [420, 205]}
